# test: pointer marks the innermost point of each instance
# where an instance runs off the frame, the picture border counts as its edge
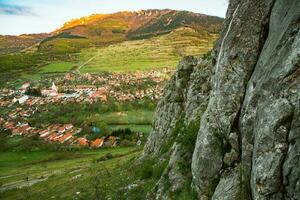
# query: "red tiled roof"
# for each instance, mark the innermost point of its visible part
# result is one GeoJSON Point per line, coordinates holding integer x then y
{"type": "Point", "coordinates": [82, 142]}
{"type": "Point", "coordinates": [97, 143]}
{"type": "Point", "coordinates": [66, 137]}
{"type": "Point", "coordinates": [61, 129]}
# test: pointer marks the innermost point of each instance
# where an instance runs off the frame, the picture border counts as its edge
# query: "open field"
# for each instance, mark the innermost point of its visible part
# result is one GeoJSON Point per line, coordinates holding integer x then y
{"type": "Point", "coordinates": [58, 67]}
{"type": "Point", "coordinates": [137, 117]}
{"type": "Point", "coordinates": [147, 54]}
{"type": "Point", "coordinates": [63, 175]}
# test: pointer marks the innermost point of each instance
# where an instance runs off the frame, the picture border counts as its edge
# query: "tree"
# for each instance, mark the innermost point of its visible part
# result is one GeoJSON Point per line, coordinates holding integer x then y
{"type": "Point", "coordinates": [33, 92]}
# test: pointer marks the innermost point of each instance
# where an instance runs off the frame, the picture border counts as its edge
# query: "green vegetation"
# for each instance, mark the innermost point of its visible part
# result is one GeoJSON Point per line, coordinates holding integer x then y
{"type": "Point", "coordinates": [62, 35]}
{"type": "Point", "coordinates": [150, 168]}
{"type": "Point", "coordinates": [65, 175]}
{"type": "Point", "coordinates": [133, 127]}
{"type": "Point", "coordinates": [45, 173]}
{"type": "Point", "coordinates": [33, 92]}
{"type": "Point", "coordinates": [188, 135]}
{"type": "Point", "coordinates": [113, 115]}
{"type": "Point", "coordinates": [157, 52]}
{"type": "Point", "coordinates": [65, 45]}
{"type": "Point", "coordinates": [169, 141]}
{"type": "Point", "coordinates": [27, 65]}
{"type": "Point", "coordinates": [58, 67]}
{"type": "Point", "coordinates": [62, 54]}
{"type": "Point", "coordinates": [174, 20]}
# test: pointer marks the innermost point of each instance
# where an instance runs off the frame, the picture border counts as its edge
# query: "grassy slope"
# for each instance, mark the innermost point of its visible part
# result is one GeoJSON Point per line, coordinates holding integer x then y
{"type": "Point", "coordinates": [60, 168]}
{"type": "Point", "coordinates": [58, 67]}
{"type": "Point", "coordinates": [136, 117]}
{"type": "Point", "coordinates": [176, 19]}
{"type": "Point", "coordinates": [147, 54]}
{"type": "Point", "coordinates": [157, 52]}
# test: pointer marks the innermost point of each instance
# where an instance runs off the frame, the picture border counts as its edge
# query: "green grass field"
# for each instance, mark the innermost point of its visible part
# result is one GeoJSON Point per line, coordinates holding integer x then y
{"type": "Point", "coordinates": [158, 52]}
{"type": "Point", "coordinates": [63, 175]}
{"type": "Point", "coordinates": [57, 67]}
{"type": "Point", "coordinates": [137, 117]}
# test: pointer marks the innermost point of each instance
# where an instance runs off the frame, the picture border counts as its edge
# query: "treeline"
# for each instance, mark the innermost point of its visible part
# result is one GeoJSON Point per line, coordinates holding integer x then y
{"type": "Point", "coordinates": [13, 66]}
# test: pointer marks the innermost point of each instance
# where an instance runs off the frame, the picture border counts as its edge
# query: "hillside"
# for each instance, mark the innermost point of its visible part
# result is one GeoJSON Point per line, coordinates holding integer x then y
{"type": "Point", "coordinates": [142, 40]}
{"type": "Point", "coordinates": [11, 44]}
{"type": "Point", "coordinates": [105, 29]}
{"type": "Point", "coordinates": [157, 52]}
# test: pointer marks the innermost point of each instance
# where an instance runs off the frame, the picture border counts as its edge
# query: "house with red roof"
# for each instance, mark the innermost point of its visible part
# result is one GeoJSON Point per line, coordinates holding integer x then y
{"type": "Point", "coordinates": [61, 129]}
{"type": "Point", "coordinates": [97, 143]}
{"type": "Point", "coordinates": [16, 131]}
{"type": "Point", "coordinates": [82, 142]}
{"type": "Point", "coordinates": [100, 93]}
{"type": "Point", "coordinates": [9, 125]}
{"type": "Point", "coordinates": [45, 133]}
{"type": "Point", "coordinates": [54, 137]}
{"type": "Point", "coordinates": [66, 137]}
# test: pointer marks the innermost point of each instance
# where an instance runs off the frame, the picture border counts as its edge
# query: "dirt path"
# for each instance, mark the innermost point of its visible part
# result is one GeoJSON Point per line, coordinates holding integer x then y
{"type": "Point", "coordinates": [86, 62]}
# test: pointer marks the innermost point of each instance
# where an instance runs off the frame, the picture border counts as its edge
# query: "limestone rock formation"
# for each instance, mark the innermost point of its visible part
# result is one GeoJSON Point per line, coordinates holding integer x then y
{"type": "Point", "coordinates": [229, 127]}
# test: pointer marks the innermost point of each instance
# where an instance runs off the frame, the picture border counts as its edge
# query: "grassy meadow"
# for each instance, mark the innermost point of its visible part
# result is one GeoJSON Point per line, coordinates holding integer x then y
{"type": "Point", "coordinates": [65, 175]}
{"type": "Point", "coordinates": [57, 67]}
{"type": "Point", "coordinates": [123, 56]}
{"type": "Point", "coordinates": [51, 171]}
{"type": "Point", "coordinates": [147, 54]}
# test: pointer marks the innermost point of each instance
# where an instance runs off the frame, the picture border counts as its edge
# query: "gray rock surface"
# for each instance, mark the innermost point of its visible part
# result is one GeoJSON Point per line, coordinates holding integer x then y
{"type": "Point", "coordinates": [246, 101]}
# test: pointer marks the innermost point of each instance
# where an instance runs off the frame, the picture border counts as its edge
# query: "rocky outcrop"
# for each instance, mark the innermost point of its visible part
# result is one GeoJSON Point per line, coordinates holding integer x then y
{"type": "Point", "coordinates": [229, 127]}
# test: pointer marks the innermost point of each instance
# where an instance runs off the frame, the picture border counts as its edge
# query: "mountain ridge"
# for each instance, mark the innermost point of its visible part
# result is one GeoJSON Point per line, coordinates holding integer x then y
{"type": "Point", "coordinates": [104, 29]}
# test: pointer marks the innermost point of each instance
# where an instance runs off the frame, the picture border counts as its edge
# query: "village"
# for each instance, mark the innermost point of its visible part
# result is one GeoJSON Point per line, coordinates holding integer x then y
{"type": "Point", "coordinates": [18, 104]}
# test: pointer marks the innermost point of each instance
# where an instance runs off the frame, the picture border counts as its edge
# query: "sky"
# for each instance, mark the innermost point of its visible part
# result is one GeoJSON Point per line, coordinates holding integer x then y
{"type": "Point", "coordinates": [38, 16]}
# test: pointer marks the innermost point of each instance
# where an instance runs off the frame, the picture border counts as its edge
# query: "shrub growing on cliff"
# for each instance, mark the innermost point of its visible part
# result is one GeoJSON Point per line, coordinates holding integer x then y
{"type": "Point", "coordinates": [188, 135]}
{"type": "Point", "coordinates": [145, 170]}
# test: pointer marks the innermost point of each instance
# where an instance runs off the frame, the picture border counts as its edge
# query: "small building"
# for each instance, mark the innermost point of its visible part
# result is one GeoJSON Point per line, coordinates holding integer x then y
{"type": "Point", "coordinates": [23, 99]}
{"type": "Point", "coordinates": [66, 137]}
{"type": "Point", "coordinates": [111, 141]}
{"type": "Point", "coordinates": [61, 129]}
{"type": "Point", "coordinates": [97, 143]}
{"type": "Point", "coordinates": [100, 93]}
{"type": "Point", "coordinates": [44, 133]}
{"type": "Point", "coordinates": [82, 142]}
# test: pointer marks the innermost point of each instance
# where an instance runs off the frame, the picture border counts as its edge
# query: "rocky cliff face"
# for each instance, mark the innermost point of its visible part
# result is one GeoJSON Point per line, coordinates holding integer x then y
{"type": "Point", "coordinates": [229, 126]}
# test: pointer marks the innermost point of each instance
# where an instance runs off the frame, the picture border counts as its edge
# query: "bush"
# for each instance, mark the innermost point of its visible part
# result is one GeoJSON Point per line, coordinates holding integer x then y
{"type": "Point", "coordinates": [159, 169]}
{"type": "Point", "coordinates": [118, 31]}
{"type": "Point", "coordinates": [207, 56]}
{"type": "Point", "coordinates": [145, 170]}
{"type": "Point", "coordinates": [188, 135]}
{"type": "Point", "coordinates": [107, 156]}
{"type": "Point", "coordinates": [33, 92]}
{"type": "Point", "coordinates": [123, 133]}
{"type": "Point", "coordinates": [127, 143]}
